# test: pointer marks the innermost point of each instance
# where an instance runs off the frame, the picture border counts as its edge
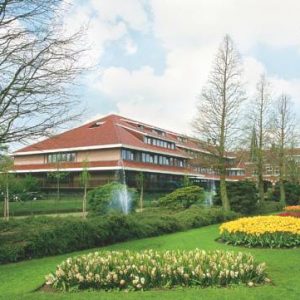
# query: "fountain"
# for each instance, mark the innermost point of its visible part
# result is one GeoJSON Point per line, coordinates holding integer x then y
{"type": "Point", "coordinates": [123, 196]}
{"type": "Point", "coordinates": [210, 193]}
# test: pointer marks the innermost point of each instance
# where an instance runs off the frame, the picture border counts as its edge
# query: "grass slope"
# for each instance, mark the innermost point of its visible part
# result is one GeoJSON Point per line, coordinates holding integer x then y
{"type": "Point", "coordinates": [19, 280]}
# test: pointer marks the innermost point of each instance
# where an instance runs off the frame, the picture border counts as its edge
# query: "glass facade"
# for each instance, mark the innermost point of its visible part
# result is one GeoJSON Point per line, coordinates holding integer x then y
{"type": "Point", "coordinates": [159, 143]}
{"type": "Point", "coordinates": [157, 159]}
{"type": "Point", "coordinates": [58, 157]}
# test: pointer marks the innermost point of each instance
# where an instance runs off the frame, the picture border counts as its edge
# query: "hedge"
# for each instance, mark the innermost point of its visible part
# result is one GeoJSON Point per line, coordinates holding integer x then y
{"type": "Point", "coordinates": [43, 236]}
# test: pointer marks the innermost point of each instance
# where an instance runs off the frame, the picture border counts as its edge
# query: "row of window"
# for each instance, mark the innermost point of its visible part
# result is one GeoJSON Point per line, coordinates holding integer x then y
{"type": "Point", "coordinates": [202, 170]}
{"type": "Point", "coordinates": [152, 158]}
{"type": "Point", "coordinates": [60, 157]}
{"type": "Point", "coordinates": [159, 143]}
{"type": "Point", "coordinates": [236, 172]}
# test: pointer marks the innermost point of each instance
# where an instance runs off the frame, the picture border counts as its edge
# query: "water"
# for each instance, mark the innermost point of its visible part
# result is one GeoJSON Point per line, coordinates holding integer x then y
{"type": "Point", "coordinates": [123, 197]}
{"type": "Point", "coordinates": [210, 193]}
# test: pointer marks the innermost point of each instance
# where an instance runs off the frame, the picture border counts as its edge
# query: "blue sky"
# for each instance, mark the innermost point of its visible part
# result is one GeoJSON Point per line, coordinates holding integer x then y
{"type": "Point", "coordinates": [154, 56]}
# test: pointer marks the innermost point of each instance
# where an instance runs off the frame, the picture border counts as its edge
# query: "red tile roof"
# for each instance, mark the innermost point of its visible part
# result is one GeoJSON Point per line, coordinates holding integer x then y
{"type": "Point", "coordinates": [112, 130]}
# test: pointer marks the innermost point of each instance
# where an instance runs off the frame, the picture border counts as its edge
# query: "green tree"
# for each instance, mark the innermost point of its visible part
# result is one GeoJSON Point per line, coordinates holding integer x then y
{"type": "Point", "coordinates": [186, 181]}
{"type": "Point", "coordinates": [183, 197]}
{"type": "Point", "coordinates": [58, 176]}
{"type": "Point", "coordinates": [84, 179]}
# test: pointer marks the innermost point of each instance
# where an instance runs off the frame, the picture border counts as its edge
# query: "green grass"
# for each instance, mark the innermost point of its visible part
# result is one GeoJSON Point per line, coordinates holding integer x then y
{"type": "Point", "coordinates": [45, 206]}
{"type": "Point", "coordinates": [20, 280]}
{"type": "Point", "coordinates": [67, 204]}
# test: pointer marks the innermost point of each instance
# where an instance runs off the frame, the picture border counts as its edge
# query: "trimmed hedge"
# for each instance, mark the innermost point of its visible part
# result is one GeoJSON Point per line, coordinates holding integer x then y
{"type": "Point", "coordinates": [44, 236]}
{"type": "Point", "coordinates": [183, 197]}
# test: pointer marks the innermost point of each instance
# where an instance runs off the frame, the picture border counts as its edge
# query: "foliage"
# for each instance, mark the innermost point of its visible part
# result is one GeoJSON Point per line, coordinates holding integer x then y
{"type": "Point", "coordinates": [146, 269]}
{"type": "Point", "coordinates": [84, 180]}
{"type": "Point", "coordinates": [183, 197]}
{"type": "Point", "coordinates": [42, 236]}
{"type": "Point", "coordinates": [262, 231]}
{"type": "Point", "coordinates": [268, 207]}
{"type": "Point", "coordinates": [186, 181]}
{"type": "Point", "coordinates": [242, 196]}
{"type": "Point", "coordinates": [20, 188]}
{"type": "Point", "coordinates": [104, 199]}
{"type": "Point", "coordinates": [292, 193]}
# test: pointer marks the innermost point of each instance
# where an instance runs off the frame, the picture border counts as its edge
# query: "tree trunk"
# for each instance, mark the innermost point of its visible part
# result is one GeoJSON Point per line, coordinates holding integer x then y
{"type": "Point", "coordinates": [141, 198]}
{"type": "Point", "coordinates": [58, 187]}
{"type": "Point", "coordinates": [7, 203]}
{"type": "Point", "coordinates": [282, 192]}
{"type": "Point", "coordinates": [84, 202]}
{"type": "Point", "coordinates": [281, 178]}
{"type": "Point", "coordinates": [223, 192]}
{"type": "Point", "coordinates": [261, 189]}
{"type": "Point", "coordinates": [4, 208]}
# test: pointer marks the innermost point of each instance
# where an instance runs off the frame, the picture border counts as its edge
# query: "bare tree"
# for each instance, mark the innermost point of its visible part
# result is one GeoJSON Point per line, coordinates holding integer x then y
{"type": "Point", "coordinates": [259, 121]}
{"type": "Point", "coordinates": [38, 63]}
{"type": "Point", "coordinates": [6, 165]}
{"type": "Point", "coordinates": [283, 135]}
{"type": "Point", "coordinates": [292, 163]}
{"type": "Point", "coordinates": [218, 108]}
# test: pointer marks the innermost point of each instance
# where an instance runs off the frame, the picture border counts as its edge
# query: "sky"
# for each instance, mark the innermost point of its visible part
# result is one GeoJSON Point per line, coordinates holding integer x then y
{"type": "Point", "coordinates": [153, 57]}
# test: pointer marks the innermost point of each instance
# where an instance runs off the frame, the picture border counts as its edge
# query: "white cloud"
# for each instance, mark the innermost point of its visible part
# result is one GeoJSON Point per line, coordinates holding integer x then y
{"type": "Point", "coordinates": [190, 31]}
{"type": "Point", "coordinates": [198, 22]}
{"type": "Point", "coordinates": [130, 47]}
{"type": "Point", "coordinates": [107, 21]}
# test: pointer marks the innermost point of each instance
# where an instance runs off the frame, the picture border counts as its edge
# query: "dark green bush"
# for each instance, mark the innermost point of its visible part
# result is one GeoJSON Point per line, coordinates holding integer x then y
{"type": "Point", "coordinates": [268, 207]}
{"type": "Point", "coordinates": [242, 197]}
{"type": "Point", "coordinates": [183, 197]}
{"type": "Point", "coordinates": [104, 199]}
{"type": "Point", "coordinates": [292, 193]}
{"type": "Point", "coordinates": [42, 236]}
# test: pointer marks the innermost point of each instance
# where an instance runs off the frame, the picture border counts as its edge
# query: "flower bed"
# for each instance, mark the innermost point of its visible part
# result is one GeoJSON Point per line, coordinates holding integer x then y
{"type": "Point", "coordinates": [295, 214]}
{"type": "Point", "coordinates": [262, 231]}
{"type": "Point", "coordinates": [152, 269]}
{"type": "Point", "coordinates": [295, 208]}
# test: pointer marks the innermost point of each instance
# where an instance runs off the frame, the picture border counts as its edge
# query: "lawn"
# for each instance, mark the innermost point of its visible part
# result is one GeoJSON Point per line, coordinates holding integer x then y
{"type": "Point", "coordinates": [45, 206]}
{"type": "Point", "coordinates": [20, 280]}
{"type": "Point", "coordinates": [67, 204]}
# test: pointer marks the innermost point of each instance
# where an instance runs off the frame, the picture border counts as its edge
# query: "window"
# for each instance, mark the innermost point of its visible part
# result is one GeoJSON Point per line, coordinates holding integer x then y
{"type": "Point", "coordinates": [151, 158]}
{"type": "Point", "coordinates": [127, 155]}
{"type": "Point", "coordinates": [60, 157]}
{"type": "Point", "coordinates": [159, 143]}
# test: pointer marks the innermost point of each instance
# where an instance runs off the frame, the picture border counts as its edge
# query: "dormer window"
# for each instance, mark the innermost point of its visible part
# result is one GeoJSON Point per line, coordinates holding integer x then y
{"type": "Point", "coordinates": [181, 139]}
{"type": "Point", "coordinates": [96, 124]}
{"type": "Point", "coordinates": [159, 132]}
